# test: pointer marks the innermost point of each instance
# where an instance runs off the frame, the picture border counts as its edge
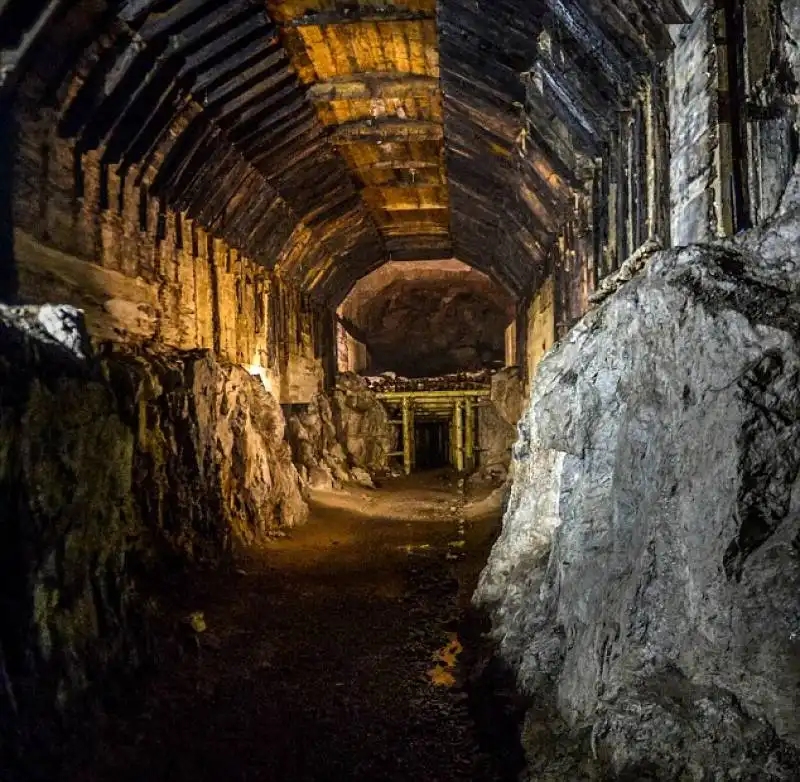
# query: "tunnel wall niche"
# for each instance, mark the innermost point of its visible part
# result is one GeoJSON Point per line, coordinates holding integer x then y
{"type": "Point", "coordinates": [424, 319]}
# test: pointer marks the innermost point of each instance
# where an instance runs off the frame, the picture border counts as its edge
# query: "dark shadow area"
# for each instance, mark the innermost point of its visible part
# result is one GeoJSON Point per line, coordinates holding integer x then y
{"type": "Point", "coordinates": [314, 665]}
{"type": "Point", "coordinates": [496, 707]}
{"type": "Point", "coordinates": [9, 282]}
{"type": "Point", "coordinates": [433, 444]}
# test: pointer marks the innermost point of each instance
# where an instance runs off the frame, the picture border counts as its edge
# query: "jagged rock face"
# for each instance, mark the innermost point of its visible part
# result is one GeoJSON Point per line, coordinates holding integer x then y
{"type": "Point", "coordinates": [497, 423]}
{"type": "Point", "coordinates": [362, 424]}
{"type": "Point", "coordinates": [435, 327]}
{"type": "Point", "coordinates": [344, 436]}
{"type": "Point", "coordinates": [111, 467]}
{"type": "Point", "coordinates": [646, 584]}
{"type": "Point", "coordinates": [211, 457]}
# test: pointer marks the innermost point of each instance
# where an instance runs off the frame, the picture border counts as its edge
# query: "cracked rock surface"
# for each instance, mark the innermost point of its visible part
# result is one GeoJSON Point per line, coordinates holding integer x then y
{"type": "Point", "coordinates": [646, 584]}
{"type": "Point", "coordinates": [114, 468]}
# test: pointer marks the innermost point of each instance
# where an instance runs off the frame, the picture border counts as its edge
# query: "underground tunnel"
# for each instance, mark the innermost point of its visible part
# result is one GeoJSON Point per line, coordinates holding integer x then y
{"type": "Point", "coordinates": [399, 391]}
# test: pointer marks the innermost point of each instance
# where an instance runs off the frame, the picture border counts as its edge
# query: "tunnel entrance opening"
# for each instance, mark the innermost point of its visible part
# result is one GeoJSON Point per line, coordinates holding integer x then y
{"type": "Point", "coordinates": [445, 420]}
{"type": "Point", "coordinates": [432, 440]}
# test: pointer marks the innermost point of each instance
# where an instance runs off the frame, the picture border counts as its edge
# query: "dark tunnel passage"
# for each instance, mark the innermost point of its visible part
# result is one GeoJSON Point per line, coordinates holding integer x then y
{"type": "Point", "coordinates": [385, 386]}
{"type": "Point", "coordinates": [432, 444]}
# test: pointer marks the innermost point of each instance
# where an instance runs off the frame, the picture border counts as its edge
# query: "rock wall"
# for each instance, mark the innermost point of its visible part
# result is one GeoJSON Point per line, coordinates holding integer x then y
{"type": "Point", "coordinates": [646, 584]}
{"type": "Point", "coordinates": [112, 467]}
{"type": "Point", "coordinates": [429, 318]}
{"type": "Point", "coordinates": [342, 436]}
{"type": "Point", "coordinates": [497, 423]}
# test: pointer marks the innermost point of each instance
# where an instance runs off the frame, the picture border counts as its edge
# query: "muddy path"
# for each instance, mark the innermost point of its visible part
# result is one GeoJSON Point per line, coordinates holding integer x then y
{"type": "Point", "coordinates": [336, 654]}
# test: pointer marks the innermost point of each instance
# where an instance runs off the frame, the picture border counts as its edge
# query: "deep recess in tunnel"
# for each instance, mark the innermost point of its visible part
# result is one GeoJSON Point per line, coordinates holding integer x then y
{"type": "Point", "coordinates": [432, 443]}
{"type": "Point", "coordinates": [313, 290]}
{"type": "Point", "coordinates": [423, 319]}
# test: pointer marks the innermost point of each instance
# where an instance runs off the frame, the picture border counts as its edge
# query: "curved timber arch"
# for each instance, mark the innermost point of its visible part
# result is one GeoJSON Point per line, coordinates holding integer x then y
{"type": "Point", "coordinates": [327, 137]}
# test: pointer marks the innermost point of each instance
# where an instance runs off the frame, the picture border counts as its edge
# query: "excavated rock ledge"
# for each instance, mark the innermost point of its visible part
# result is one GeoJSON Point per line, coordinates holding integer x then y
{"type": "Point", "coordinates": [113, 467]}
{"type": "Point", "coordinates": [461, 381]}
{"type": "Point", "coordinates": [646, 584]}
{"type": "Point", "coordinates": [342, 436]}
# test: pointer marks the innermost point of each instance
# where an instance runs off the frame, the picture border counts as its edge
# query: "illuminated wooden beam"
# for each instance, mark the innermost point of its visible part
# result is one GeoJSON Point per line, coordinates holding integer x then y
{"type": "Point", "coordinates": [375, 86]}
{"type": "Point", "coordinates": [408, 207]}
{"type": "Point", "coordinates": [402, 165]}
{"type": "Point", "coordinates": [356, 15]}
{"type": "Point", "coordinates": [387, 131]}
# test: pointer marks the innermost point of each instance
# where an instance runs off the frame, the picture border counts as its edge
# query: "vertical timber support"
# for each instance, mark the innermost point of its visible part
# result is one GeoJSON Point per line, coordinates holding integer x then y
{"type": "Point", "coordinates": [469, 436]}
{"type": "Point", "coordinates": [460, 408]}
{"type": "Point", "coordinates": [412, 434]}
{"type": "Point", "coordinates": [458, 434]}
{"type": "Point", "coordinates": [407, 435]}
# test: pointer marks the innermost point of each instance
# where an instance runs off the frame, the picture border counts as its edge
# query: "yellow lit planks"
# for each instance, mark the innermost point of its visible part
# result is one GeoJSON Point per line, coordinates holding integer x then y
{"type": "Point", "coordinates": [372, 71]}
{"type": "Point", "coordinates": [363, 47]}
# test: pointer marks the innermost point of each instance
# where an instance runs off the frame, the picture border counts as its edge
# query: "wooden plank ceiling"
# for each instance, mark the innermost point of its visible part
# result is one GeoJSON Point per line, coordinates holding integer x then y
{"type": "Point", "coordinates": [329, 136]}
{"type": "Point", "coordinates": [372, 73]}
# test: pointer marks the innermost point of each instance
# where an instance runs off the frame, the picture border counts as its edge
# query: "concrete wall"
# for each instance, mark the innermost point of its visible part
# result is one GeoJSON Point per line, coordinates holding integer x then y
{"type": "Point", "coordinates": [143, 274]}
{"type": "Point", "coordinates": [723, 127]}
{"type": "Point", "coordinates": [351, 355]}
{"type": "Point", "coordinates": [693, 134]}
{"type": "Point", "coordinates": [511, 344]}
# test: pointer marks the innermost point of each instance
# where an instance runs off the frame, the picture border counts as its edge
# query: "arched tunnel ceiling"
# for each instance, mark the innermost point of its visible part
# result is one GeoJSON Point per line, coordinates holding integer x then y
{"type": "Point", "coordinates": [329, 136]}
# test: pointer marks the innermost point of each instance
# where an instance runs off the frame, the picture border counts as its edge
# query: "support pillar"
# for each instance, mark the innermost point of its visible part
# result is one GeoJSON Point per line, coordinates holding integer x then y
{"type": "Point", "coordinates": [458, 434]}
{"type": "Point", "coordinates": [407, 436]}
{"type": "Point", "coordinates": [469, 436]}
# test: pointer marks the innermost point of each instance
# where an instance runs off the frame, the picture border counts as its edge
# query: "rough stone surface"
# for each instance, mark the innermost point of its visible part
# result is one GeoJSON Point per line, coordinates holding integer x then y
{"type": "Point", "coordinates": [508, 395]}
{"type": "Point", "coordinates": [344, 436]}
{"type": "Point", "coordinates": [646, 584]}
{"type": "Point", "coordinates": [362, 424]}
{"type": "Point", "coordinates": [497, 424]}
{"type": "Point", "coordinates": [429, 318]}
{"type": "Point", "coordinates": [110, 469]}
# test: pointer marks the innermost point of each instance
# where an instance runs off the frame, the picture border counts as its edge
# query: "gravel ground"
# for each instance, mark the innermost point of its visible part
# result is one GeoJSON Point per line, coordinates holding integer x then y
{"type": "Point", "coordinates": [344, 652]}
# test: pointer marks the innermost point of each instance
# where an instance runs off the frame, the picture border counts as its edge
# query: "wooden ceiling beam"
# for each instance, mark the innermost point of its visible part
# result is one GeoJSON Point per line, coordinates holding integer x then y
{"type": "Point", "coordinates": [403, 165]}
{"type": "Point", "coordinates": [386, 131]}
{"type": "Point", "coordinates": [356, 15]}
{"type": "Point", "coordinates": [375, 85]}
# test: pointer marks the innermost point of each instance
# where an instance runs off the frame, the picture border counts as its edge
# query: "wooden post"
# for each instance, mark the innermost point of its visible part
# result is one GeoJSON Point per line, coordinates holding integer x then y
{"type": "Point", "coordinates": [458, 434]}
{"type": "Point", "coordinates": [412, 433]}
{"type": "Point", "coordinates": [469, 436]}
{"type": "Point", "coordinates": [407, 435]}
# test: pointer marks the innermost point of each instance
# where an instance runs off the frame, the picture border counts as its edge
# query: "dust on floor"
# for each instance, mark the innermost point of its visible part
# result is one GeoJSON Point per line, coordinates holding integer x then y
{"type": "Point", "coordinates": [334, 654]}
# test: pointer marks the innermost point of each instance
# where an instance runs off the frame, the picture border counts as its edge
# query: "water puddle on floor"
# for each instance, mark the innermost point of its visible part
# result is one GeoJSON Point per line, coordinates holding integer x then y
{"type": "Point", "coordinates": [446, 659]}
{"type": "Point", "coordinates": [415, 548]}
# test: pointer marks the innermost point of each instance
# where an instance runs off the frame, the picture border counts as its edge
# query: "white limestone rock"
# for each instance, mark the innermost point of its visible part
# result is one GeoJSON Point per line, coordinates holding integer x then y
{"type": "Point", "coordinates": [58, 325]}
{"type": "Point", "coordinates": [646, 584]}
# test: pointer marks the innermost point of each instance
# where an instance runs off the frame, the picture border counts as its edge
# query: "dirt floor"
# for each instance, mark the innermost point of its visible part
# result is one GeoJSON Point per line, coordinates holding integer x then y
{"type": "Point", "coordinates": [341, 652]}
